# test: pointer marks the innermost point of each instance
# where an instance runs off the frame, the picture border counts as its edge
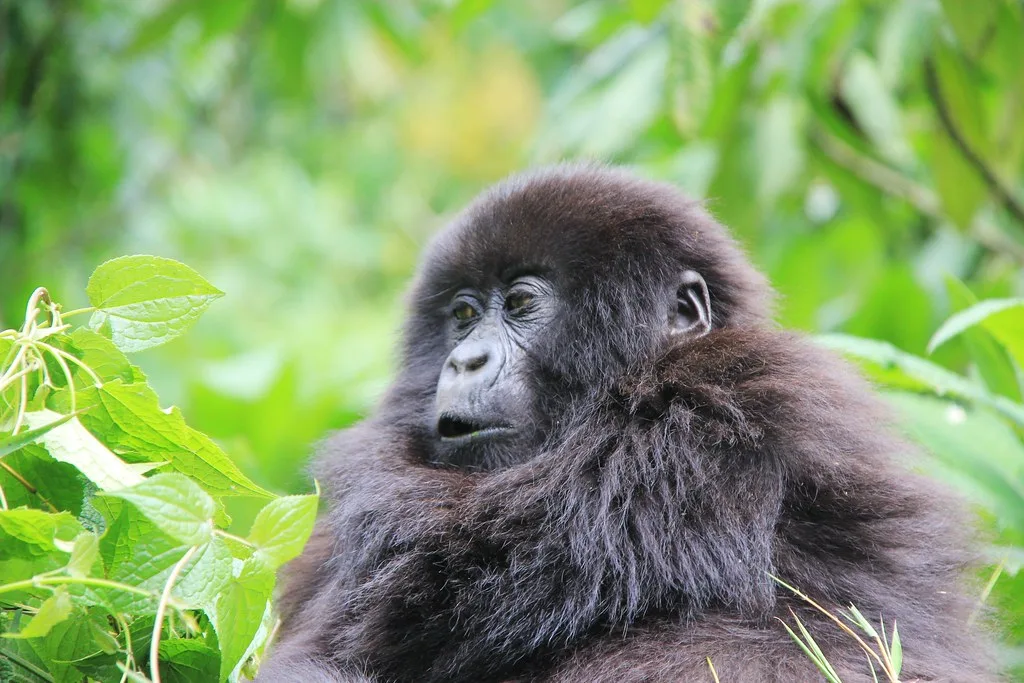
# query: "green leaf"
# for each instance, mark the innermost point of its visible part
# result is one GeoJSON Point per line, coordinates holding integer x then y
{"type": "Point", "coordinates": [875, 108]}
{"type": "Point", "coordinates": [69, 641]}
{"type": "Point", "coordinates": [239, 611]}
{"type": "Point", "coordinates": [11, 443]}
{"type": "Point", "coordinates": [960, 94]}
{"type": "Point", "coordinates": [896, 650]}
{"type": "Point", "coordinates": [936, 378]}
{"type": "Point", "coordinates": [857, 618]}
{"type": "Point", "coordinates": [205, 576]}
{"type": "Point", "coordinates": [977, 453]}
{"type": "Point", "coordinates": [992, 360]}
{"type": "Point", "coordinates": [780, 147]}
{"type": "Point", "coordinates": [53, 611]}
{"type": "Point", "coordinates": [140, 426]}
{"type": "Point", "coordinates": [39, 530]}
{"type": "Point", "coordinates": [145, 301]}
{"type": "Point", "coordinates": [25, 664]}
{"type": "Point", "coordinates": [188, 660]}
{"type": "Point", "coordinates": [959, 187]}
{"type": "Point", "coordinates": [972, 316]}
{"type": "Point", "coordinates": [819, 656]}
{"type": "Point", "coordinates": [72, 443]}
{"type": "Point", "coordinates": [970, 21]}
{"type": "Point", "coordinates": [282, 528]}
{"type": "Point", "coordinates": [57, 483]}
{"type": "Point", "coordinates": [103, 357]}
{"type": "Point", "coordinates": [176, 504]}
{"type": "Point", "coordinates": [823, 665]}
{"type": "Point", "coordinates": [84, 553]}
{"type": "Point", "coordinates": [137, 552]}
{"type": "Point", "coordinates": [903, 39]}
{"type": "Point", "coordinates": [1008, 327]}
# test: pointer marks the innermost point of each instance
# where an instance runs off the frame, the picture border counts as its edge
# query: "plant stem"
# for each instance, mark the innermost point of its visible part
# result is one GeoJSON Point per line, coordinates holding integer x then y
{"type": "Point", "coordinates": [996, 573]}
{"type": "Point", "coordinates": [78, 311]}
{"type": "Point", "coordinates": [70, 581]}
{"type": "Point", "coordinates": [161, 609]}
{"type": "Point", "coordinates": [237, 539]}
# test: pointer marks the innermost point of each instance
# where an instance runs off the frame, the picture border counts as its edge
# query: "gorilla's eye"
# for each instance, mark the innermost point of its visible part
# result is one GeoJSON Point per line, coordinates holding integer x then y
{"type": "Point", "coordinates": [516, 302]}
{"type": "Point", "coordinates": [463, 311]}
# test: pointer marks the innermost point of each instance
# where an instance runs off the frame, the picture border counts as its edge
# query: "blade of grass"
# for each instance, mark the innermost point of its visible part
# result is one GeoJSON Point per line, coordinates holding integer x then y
{"type": "Point", "coordinates": [810, 655]}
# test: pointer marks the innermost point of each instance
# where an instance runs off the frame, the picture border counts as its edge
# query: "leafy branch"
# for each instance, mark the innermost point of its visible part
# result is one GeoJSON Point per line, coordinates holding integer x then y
{"type": "Point", "coordinates": [123, 519]}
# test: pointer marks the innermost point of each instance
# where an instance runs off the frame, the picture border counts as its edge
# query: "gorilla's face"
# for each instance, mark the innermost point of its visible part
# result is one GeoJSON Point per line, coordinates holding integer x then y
{"type": "Point", "coordinates": [485, 411]}
{"type": "Point", "coordinates": [483, 403]}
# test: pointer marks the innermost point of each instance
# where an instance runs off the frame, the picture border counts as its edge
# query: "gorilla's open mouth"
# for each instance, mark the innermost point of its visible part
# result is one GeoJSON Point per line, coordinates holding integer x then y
{"type": "Point", "coordinates": [458, 427]}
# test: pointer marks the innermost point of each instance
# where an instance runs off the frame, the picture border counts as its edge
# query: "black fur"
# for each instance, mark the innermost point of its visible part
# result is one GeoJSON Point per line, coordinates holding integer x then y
{"type": "Point", "coordinates": [675, 478]}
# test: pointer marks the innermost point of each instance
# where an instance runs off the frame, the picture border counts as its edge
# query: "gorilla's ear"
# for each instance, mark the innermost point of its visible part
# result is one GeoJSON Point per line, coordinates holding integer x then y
{"type": "Point", "coordinates": [691, 311]}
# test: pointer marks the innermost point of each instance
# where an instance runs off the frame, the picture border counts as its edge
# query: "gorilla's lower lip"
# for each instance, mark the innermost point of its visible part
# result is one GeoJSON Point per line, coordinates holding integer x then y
{"type": "Point", "coordinates": [451, 428]}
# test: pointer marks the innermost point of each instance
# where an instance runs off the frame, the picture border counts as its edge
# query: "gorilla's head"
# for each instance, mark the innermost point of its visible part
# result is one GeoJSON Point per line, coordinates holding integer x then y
{"type": "Point", "coordinates": [548, 289]}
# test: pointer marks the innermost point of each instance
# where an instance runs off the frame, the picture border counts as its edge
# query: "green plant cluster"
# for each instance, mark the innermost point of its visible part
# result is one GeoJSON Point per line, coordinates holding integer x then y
{"type": "Point", "coordinates": [114, 561]}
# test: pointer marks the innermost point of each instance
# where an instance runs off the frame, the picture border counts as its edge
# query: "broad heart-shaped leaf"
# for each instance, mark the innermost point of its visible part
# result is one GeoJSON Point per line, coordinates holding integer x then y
{"type": "Point", "coordinates": [188, 660]}
{"type": "Point", "coordinates": [282, 528]}
{"type": "Point", "coordinates": [70, 641]}
{"type": "Point", "coordinates": [72, 443]}
{"type": "Point", "coordinates": [135, 551]}
{"type": "Point", "coordinates": [145, 301]}
{"type": "Point", "coordinates": [137, 424]}
{"type": "Point", "coordinates": [33, 542]}
{"type": "Point", "coordinates": [176, 504]}
{"type": "Point", "coordinates": [239, 611]}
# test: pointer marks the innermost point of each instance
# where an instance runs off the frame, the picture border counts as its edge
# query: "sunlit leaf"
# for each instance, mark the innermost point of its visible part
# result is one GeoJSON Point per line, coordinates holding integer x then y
{"type": "Point", "coordinates": [12, 442]}
{"type": "Point", "coordinates": [54, 610]}
{"type": "Point", "coordinates": [992, 360]}
{"type": "Point", "coordinates": [174, 503]}
{"type": "Point", "coordinates": [239, 611]}
{"type": "Point", "coordinates": [975, 315]}
{"type": "Point", "coordinates": [938, 379]}
{"type": "Point", "coordinates": [145, 301]}
{"type": "Point", "coordinates": [72, 443]}
{"type": "Point", "coordinates": [282, 528]}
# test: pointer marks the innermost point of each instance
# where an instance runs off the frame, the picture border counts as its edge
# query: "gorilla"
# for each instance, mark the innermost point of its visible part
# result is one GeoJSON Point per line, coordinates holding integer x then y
{"type": "Point", "coordinates": [597, 454]}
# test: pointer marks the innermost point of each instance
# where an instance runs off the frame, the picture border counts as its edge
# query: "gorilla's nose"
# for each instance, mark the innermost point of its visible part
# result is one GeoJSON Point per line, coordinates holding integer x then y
{"type": "Point", "coordinates": [469, 356]}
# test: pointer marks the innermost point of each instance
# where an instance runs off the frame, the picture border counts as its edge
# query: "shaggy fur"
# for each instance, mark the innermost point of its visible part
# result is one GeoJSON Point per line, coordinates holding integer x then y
{"type": "Point", "coordinates": [675, 478]}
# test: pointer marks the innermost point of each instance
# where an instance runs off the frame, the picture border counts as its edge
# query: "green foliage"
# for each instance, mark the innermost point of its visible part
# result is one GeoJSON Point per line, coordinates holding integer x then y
{"type": "Point", "coordinates": [113, 559]}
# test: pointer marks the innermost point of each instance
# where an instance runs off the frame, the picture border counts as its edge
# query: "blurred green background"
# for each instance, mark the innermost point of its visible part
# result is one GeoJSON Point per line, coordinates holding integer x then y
{"type": "Point", "coordinates": [300, 153]}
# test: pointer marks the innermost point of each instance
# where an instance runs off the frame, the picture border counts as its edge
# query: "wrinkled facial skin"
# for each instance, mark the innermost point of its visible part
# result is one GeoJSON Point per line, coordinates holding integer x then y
{"type": "Point", "coordinates": [484, 414]}
{"type": "Point", "coordinates": [483, 407]}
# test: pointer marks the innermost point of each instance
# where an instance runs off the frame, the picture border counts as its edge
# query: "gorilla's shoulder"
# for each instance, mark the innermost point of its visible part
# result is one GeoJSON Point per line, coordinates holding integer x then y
{"type": "Point", "coordinates": [757, 385]}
